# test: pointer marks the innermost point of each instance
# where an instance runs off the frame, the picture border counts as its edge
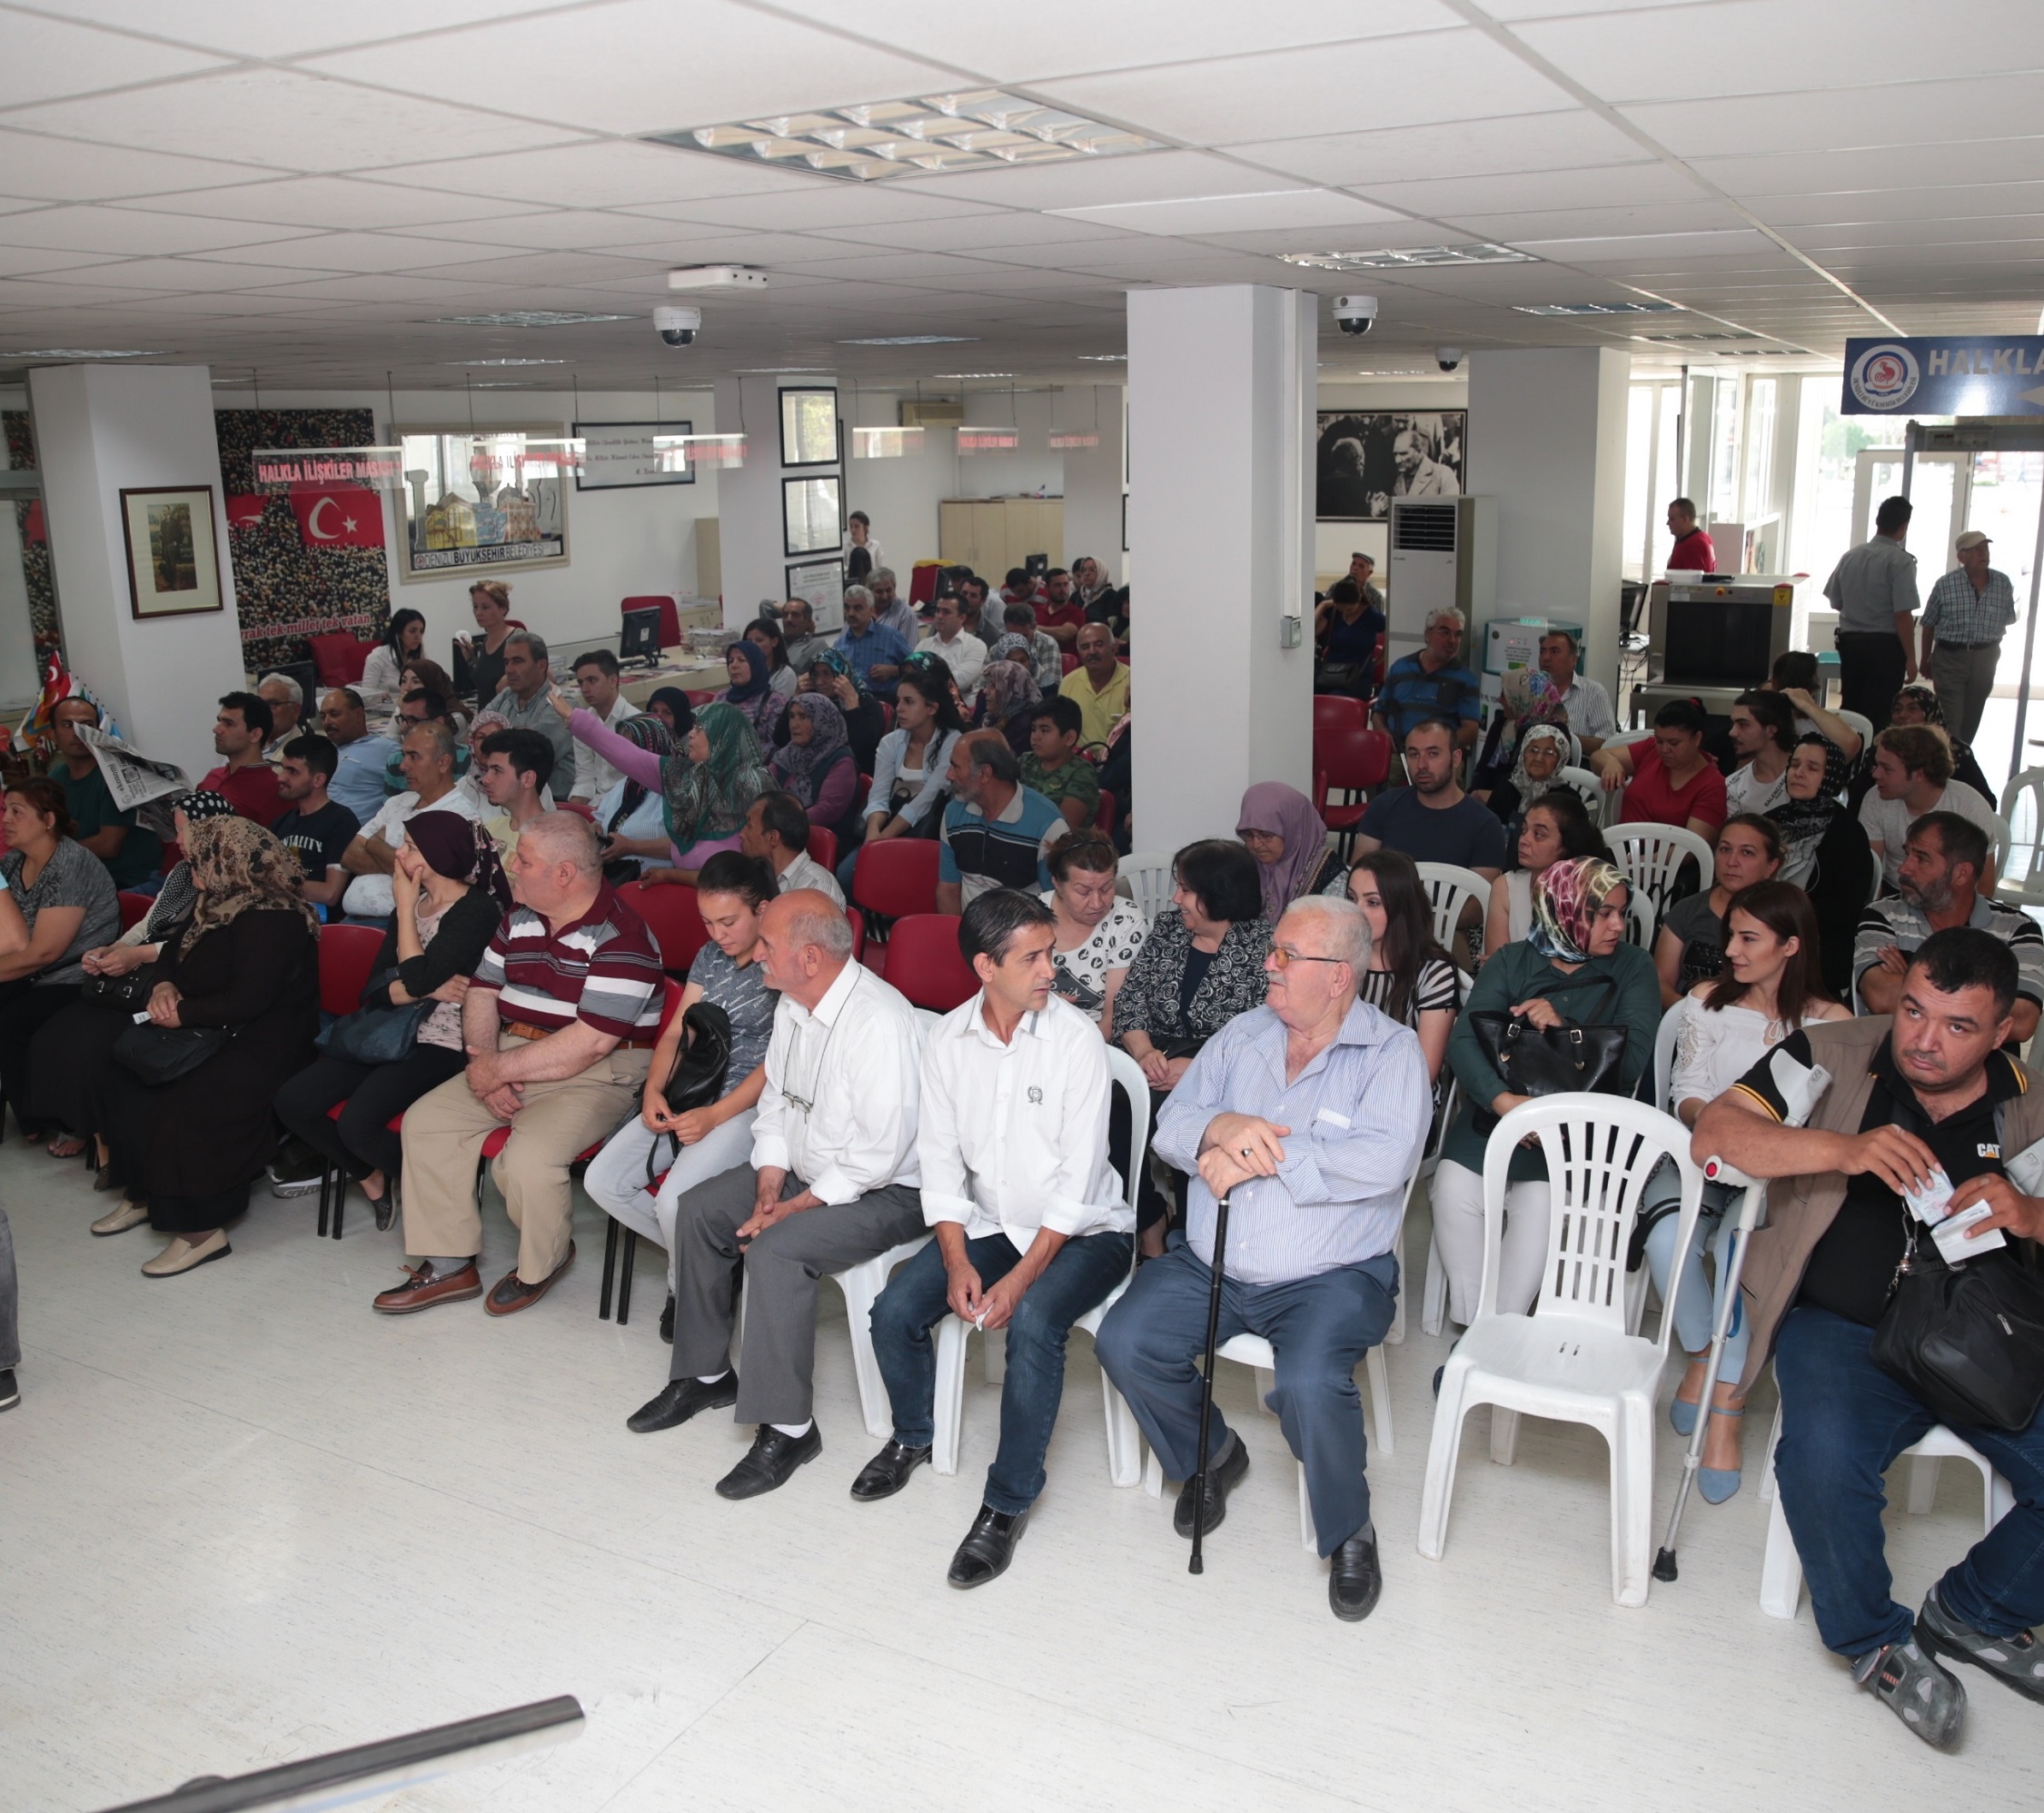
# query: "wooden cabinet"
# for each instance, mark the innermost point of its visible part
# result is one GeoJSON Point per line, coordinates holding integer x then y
{"type": "Point", "coordinates": [991, 535]}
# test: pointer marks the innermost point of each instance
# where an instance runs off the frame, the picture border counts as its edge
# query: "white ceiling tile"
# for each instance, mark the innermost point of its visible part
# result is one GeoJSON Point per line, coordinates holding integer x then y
{"type": "Point", "coordinates": [1518, 229]}
{"type": "Point", "coordinates": [132, 232]}
{"type": "Point", "coordinates": [1511, 12]}
{"type": "Point", "coordinates": [262, 29]}
{"type": "Point", "coordinates": [1916, 235]}
{"type": "Point", "coordinates": [1609, 186]}
{"type": "Point", "coordinates": [528, 228]}
{"type": "Point", "coordinates": [552, 267]}
{"type": "Point", "coordinates": [29, 260]}
{"type": "Point", "coordinates": [174, 273]}
{"type": "Point", "coordinates": [1397, 82]}
{"type": "Point", "coordinates": [1627, 56]}
{"type": "Point", "coordinates": [49, 58]}
{"type": "Point", "coordinates": [1986, 201]}
{"type": "Point", "coordinates": [360, 252]}
{"type": "Point", "coordinates": [681, 244]}
{"type": "Point", "coordinates": [1149, 176]}
{"type": "Point", "coordinates": [637, 66]}
{"type": "Point", "coordinates": [1920, 112]}
{"type": "Point", "coordinates": [64, 170]}
{"type": "Point", "coordinates": [1569, 139]}
{"type": "Point", "coordinates": [284, 121]}
{"type": "Point", "coordinates": [1021, 236]}
{"type": "Point", "coordinates": [337, 203]}
{"type": "Point", "coordinates": [841, 204]}
{"type": "Point", "coordinates": [376, 289]}
{"type": "Point", "coordinates": [2004, 160]}
{"type": "Point", "coordinates": [602, 175]}
{"type": "Point", "coordinates": [1641, 249]}
{"type": "Point", "coordinates": [1316, 210]}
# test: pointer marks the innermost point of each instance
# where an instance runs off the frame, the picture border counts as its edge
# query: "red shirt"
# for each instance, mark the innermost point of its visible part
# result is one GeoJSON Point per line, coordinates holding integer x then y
{"type": "Point", "coordinates": [1692, 553]}
{"type": "Point", "coordinates": [251, 791]}
{"type": "Point", "coordinates": [1050, 616]}
{"type": "Point", "coordinates": [1650, 799]}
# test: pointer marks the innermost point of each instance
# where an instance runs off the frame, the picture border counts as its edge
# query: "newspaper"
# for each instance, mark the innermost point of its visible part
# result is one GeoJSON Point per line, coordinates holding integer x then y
{"type": "Point", "coordinates": [134, 780]}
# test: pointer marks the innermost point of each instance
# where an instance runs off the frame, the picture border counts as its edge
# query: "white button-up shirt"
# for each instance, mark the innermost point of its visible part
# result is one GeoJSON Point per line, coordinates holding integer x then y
{"type": "Point", "coordinates": [1014, 1138]}
{"type": "Point", "coordinates": [840, 1103]}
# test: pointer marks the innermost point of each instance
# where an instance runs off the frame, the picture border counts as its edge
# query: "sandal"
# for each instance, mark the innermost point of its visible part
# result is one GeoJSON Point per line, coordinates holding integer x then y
{"type": "Point", "coordinates": [75, 1146]}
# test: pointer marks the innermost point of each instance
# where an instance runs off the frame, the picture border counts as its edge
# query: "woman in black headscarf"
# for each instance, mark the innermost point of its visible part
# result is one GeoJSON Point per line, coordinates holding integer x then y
{"type": "Point", "coordinates": [1825, 852]}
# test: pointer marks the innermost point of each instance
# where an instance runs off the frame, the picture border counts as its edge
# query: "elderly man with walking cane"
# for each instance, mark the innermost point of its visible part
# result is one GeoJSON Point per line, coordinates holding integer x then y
{"type": "Point", "coordinates": [1308, 1114]}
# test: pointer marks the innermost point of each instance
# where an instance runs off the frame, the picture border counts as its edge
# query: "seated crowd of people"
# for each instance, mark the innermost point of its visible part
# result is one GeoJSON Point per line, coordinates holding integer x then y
{"type": "Point", "coordinates": [1305, 1027]}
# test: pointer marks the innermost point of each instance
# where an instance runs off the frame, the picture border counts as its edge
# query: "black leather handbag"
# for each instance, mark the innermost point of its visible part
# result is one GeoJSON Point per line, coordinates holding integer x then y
{"type": "Point", "coordinates": [1551, 1061]}
{"type": "Point", "coordinates": [130, 992]}
{"type": "Point", "coordinates": [698, 1077]}
{"type": "Point", "coordinates": [1968, 1339]}
{"type": "Point", "coordinates": [161, 1054]}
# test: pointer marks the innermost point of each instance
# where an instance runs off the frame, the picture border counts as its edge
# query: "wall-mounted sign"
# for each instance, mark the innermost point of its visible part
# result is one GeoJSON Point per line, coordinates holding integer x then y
{"type": "Point", "coordinates": [280, 468]}
{"type": "Point", "coordinates": [822, 583]}
{"type": "Point", "coordinates": [479, 501]}
{"type": "Point", "coordinates": [617, 455]}
{"type": "Point", "coordinates": [1947, 374]}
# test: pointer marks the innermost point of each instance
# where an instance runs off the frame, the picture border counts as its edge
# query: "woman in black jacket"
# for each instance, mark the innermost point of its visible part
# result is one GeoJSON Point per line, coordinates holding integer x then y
{"type": "Point", "coordinates": [450, 896]}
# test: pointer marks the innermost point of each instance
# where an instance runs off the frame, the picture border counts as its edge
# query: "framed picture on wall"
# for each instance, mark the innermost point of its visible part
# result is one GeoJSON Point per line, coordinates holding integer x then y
{"type": "Point", "coordinates": [480, 503]}
{"type": "Point", "coordinates": [1364, 458]}
{"type": "Point", "coordinates": [173, 557]}
{"type": "Point", "coordinates": [811, 512]}
{"type": "Point", "coordinates": [618, 455]}
{"type": "Point", "coordinates": [808, 428]}
{"type": "Point", "coordinates": [822, 583]}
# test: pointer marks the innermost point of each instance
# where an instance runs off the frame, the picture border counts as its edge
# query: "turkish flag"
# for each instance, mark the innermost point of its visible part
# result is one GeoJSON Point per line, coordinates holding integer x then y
{"type": "Point", "coordinates": [245, 509]}
{"type": "Point", "coordinates": [35, 534]}
{"type": "Point", "coordinates": [339, 516]}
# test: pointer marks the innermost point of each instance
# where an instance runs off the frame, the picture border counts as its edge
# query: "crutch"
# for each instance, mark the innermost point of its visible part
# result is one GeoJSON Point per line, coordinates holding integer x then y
{"type": "Point", "coordinates": [1751, 1204]}
{"type": "Point", "coordinates": [1197, 1564]}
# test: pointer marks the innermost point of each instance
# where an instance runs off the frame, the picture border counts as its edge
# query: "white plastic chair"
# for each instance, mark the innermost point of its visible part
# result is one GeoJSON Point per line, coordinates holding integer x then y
{"type": "Point", "coordinates": [1125, 1439]}
{"type": "Point", "coordinates": [1450, 889]}
{"type": "Point", "coordinates": [1436, 1276]}
{"type": "Point", "coordinates": [1651, 856]}
{"type": "Point", "coordinates": [1148, 875]}
{"type": "Point", "coordinates": [1860, 723]}
{"type": "Point", "coordinates": [1642, 923]}
{"type": "Point", "coordinates": [1624, 738]}
{"type": "Point", "coordinates": [1780, 1591]}
{"type": "Point", "coordinates": [1571, 1359]}
{"type": "Point", "coordinates": [2018, 864]}
{"type": "Point", "coordinates": [1587, 788]}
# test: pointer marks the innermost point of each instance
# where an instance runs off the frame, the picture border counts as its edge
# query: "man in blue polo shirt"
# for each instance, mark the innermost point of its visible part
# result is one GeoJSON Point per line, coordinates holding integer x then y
{"type": "Point", "coordinates": [997, 832]}
{"type": "Point", "coordinates": [1432, 683]}
{"type": "Point", "coordinates": [875, 651]}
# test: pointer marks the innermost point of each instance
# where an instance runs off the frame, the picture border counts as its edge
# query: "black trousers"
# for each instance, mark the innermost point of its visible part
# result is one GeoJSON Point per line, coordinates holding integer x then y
{"type": "Point", "coordinates": [360, 1141]}
{"type": "Point", "coordinates": [1152, 1205]}
{"type": "Point", "coordinates": [24, 1010]}
{"type": "Point", "coordinates": [1870, 668]}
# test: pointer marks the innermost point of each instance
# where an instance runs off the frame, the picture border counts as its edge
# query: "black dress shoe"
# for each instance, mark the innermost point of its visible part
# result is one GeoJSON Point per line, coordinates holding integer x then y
{"type": "Point", "coordinates": [1356, 1580]}
{"type": "Point", "coordinates": [887, 1471]}
{"type": "Point", "coordinates": [667, 1321]}
{"type": "Point", "coordinates": [679, 1399]}
{"type": "Point", "coordinates": [770, 1462]}
{"type": "Point", "coordinates": [1223, 1473]}
{"type": "Point", "coordinates": [988, 1547]}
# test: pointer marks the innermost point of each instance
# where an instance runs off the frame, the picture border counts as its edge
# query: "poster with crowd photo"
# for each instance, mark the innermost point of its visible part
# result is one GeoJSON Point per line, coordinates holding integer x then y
{"type": "Point", "coordinates": [480, 503]}
{"type": "Point", "coordinates": [1364, 458]}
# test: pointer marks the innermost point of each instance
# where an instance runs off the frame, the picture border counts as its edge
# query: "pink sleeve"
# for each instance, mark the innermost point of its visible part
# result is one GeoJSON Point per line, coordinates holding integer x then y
{"type": "Point", "coordinates": [634, 763]}
{"type": "Point", "coordinates": [834, 798]}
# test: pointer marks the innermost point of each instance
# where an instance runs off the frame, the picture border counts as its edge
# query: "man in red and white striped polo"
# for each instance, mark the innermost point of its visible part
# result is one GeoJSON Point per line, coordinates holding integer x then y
{"type": "Point", "coordinates": [560, 1021]}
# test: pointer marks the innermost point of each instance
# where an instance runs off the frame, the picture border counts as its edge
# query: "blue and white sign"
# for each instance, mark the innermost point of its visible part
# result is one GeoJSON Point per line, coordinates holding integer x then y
{"type": "Point", "coordinates": [1956, 375]}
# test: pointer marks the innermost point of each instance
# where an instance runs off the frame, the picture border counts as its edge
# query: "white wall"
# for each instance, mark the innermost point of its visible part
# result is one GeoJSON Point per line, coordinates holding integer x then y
{"type": "Point", "coordinates": [619, 542]}
{"type": "Point", "coordinates": [1092, 493]}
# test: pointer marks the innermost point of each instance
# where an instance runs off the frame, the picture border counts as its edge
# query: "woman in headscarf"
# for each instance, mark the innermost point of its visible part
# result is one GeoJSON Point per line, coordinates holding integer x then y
{"type": "Point", "coordinates": [1917, 704]}
{"type": "Point", "coordinates": [1543, 752]}
{"type": "Point", "coordinates": [1009, 693]}
{"type": "Point", "coordinates": [817, 764]}
{"type": "Point", "coordinates": [830, 674]}
{"type": "Point", "coordinates": [670, 705]}
{"type": "Point", "coordinates": [631, 817]}
{"type": "Point", "coordinates": [1825, 852]}
{"type": "Point", "coordinates": [70, 1056]}
{"type": "Point", "coordinates": [247, 964]}
{"type": "Point", "coordinates": [752, 693]}
{"type": "Point", "coordinates": [1574, 969]}
{"type": "Point", "coordinates": [450, 893]}
{"type": "Point", "coordinates": [1289, 842]}
{"type": "Point", "coordinates": [707, 783]}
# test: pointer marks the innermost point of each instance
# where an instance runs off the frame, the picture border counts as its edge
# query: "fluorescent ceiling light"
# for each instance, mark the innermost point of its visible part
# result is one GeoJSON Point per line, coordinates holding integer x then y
{"type": "Point", "coordinates": [1669, 339]}
{"type": "Point", "coordinates": [914, 339]}
{"type": "Point", "coordinates": [1408, 255]}
{"type": "Point", "coordinates": [525, 317]}
{"type": "Point", "coordinates": [82, 352]}
{"type": "Point", "coordinates": [942, 376]}
{"type": "Point", "coordinates": [503, 362]}
{"type": "Point", "coordinates": [1105, 358]}
{"type": "Point", "coordinates": [976, 129]}
{"type": "Point", "coordinates": [778, 371]}
{"type": "Point", "coordinates": [886, 443]}
{"type": "Point", "coordinates": [1595, 308]}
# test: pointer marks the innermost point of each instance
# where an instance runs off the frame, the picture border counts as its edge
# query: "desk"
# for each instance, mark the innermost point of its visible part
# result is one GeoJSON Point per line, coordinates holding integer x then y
{"type": "Point", "coordinates": [677, 668]}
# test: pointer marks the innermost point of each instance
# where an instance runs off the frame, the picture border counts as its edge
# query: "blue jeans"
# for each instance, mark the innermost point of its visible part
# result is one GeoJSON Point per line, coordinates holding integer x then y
{"type": "Point", "coordinates": [1078, 1277]}
{"type": "Point", "coordinates": [1698, 1301]}
{"type": "Point", "coordinates": [1319, 1329]}
{"type": "Point", "coordinates": [1843, 1421]}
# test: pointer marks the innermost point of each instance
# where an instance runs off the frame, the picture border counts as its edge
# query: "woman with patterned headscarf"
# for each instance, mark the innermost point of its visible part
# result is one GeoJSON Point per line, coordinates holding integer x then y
{"type": "Point", "coordinates": [1574, 969]}
{"type": "Point", "coordinates": [817, 764]}
{"type": "Point", "coordinates": [1008, 694]}
{"type": "Point", "coordinates": [752, 693]}
{"type": "Point", "coordinates": [707, 783]}
{"type": "Point", "coordinates": [830, 674]}
{"type": "Point", "coordinates": [247, 965]}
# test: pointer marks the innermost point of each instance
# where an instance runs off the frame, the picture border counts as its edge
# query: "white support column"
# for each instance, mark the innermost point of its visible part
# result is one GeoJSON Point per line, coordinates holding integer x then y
{"type": "Point", "coordinates": [98, 431]}
{"type": "Point", "coordinates": [752, 542]}
{"type": "Point", "coordinates": [1221, 385]}
{"type": "Point", "coordinates": [1547, 440]}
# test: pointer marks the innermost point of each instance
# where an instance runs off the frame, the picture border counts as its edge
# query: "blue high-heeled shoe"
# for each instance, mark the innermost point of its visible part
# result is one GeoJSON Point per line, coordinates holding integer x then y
{"type": "Point", "coordinates": [1719, 1483]}
{"type": "Point", "coordinates": [1682, 1415]}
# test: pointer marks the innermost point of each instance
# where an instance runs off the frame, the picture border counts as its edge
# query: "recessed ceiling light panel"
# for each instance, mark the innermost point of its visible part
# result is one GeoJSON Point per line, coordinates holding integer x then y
{"type": "Point", "coordinates": [971, 374]}
{"type": "Point", "coordinates": [84, 352]}
{"type": "Point", "coordinates": [1105, 358]}
{"type": "Point", "coordinates": [974, 129]}
{"type": "Point", "coordinates": [503, 362]}
{"type": "Point", "coordinates": [1408, 256]}
{"type": "Point", "coordinates": [525, 317]}
{"type": "Point", "coordinates": [1595, 308]}
{"type": "Point", "coordinates": [914, 339]}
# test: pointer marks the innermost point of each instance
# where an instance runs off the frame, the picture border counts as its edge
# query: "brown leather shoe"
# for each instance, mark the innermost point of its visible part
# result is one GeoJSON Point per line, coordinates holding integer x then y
{"type": "Point", "coordinates": [423, 1288]}
{"type": "Point", "coordinates": [512, 1293]}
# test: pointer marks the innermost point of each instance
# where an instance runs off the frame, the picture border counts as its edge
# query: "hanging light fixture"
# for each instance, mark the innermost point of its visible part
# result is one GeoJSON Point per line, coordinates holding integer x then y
{"type": "Point", "coordinates": [993, 439]}
{"type": "Point", "coordinates": [1080, 437]}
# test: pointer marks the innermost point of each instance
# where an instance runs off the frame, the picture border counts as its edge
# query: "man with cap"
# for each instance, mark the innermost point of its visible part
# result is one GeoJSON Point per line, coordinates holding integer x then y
{"type": "Point", "coordinates": [1964, 619]}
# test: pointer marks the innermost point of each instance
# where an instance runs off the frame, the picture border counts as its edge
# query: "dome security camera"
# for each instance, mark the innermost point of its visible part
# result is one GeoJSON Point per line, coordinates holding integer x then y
{"type": "Point", "coordinates": [1355, 314]}
{"type": "Point", "coordinates": [678, 327]}
{"type": "Point", "coordinates": [1448, 358]}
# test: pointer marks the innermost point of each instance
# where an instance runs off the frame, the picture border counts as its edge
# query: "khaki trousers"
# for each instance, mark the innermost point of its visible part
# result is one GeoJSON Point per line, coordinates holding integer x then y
{"type": "Point", "coordinates": [1963, 679]}
{"type": "Point", "coordinates": [443, 1134]}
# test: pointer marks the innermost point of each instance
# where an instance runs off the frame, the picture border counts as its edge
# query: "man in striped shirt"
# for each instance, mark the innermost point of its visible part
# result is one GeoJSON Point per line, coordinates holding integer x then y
{"type": "Point", "coordinates": [1964, 619]}
{"type": "Point", "coordinates": [559, 1021]}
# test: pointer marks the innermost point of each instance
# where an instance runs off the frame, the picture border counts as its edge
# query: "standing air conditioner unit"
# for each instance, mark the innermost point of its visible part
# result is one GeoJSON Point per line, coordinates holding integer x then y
{"type": "Point", "coordinates": [1444, 552]}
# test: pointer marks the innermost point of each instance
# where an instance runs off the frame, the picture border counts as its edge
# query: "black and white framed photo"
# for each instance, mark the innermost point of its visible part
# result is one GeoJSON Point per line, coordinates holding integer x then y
{"type": "Point", "coordinates": [1364, 458]}
{"type": "Point", "coordinates": [808, 427]}
{"type": "Point", "coordinates": [811, 515]}
{"type": "Point", "coordinates": [623, 455]}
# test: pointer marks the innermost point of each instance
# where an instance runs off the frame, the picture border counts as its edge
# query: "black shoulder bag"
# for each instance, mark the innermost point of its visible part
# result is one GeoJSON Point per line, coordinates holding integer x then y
{"type": "Point", "coordinates": [1554, 1061]}
{"type": "Point", "coordinates": [698, 1077]}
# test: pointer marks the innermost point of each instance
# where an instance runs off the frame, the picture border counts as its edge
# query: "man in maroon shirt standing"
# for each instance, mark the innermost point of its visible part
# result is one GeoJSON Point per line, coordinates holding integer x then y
{"type": "Point", "coordinates": [1693, 551]}
{"type": "Point", "coordinates": [240, 733]}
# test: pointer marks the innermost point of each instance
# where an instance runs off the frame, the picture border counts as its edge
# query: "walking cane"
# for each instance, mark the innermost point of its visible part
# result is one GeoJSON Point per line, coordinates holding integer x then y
{"type": "Point", "coordinates": [1199, 1564]}
{"type": "Point", "coordinates": [1750, 1205]}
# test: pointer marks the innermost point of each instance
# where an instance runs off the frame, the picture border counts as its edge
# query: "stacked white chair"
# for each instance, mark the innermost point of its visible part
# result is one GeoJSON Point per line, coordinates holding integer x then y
{"type": "Point", "coordinates": [1450, 888]}
{"type": "Point", "coordinates": [2018, 863]}
{"type": "Point", "coordinates": [1588, 789]}
{"type": "Point", "coordinates": [1148, 875]}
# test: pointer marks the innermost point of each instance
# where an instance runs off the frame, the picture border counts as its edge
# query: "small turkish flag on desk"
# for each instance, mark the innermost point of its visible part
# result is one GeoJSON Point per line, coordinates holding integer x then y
{"type": "Point", "coordinates": [340, 515]}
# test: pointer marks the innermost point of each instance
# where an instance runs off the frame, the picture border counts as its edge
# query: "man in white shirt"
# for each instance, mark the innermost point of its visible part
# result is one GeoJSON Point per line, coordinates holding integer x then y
{"type": "Point", "coordinates": [833, 1182]}
{"type": "Point", "coordinates": [964, 654]}
{"type": "Point", "coordinates": [1588, 705]}
{"type": "Point", "coordinates": [426, 759]}
{"type": "Point", "coordinates": [596, 674]}
{"type": "Point", "coordinates": [1032, 1229]}
{"type": "Point", "coordinates": [777, 831]}
{"type": "Point", "coordinates": [1912, 776]}
{"type": "Point", "coordinates": [1763, 738]}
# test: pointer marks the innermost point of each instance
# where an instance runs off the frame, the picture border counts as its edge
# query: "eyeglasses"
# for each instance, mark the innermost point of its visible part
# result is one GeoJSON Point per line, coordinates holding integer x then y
{"type": "Point", "coordinates": [1281, 958]}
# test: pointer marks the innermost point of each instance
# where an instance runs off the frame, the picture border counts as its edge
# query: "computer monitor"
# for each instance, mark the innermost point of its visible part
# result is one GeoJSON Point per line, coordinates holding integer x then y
{"type": "Point", "coordinates": [1037, 565]}
{"type": "Point", "coordinates": [641, 638]}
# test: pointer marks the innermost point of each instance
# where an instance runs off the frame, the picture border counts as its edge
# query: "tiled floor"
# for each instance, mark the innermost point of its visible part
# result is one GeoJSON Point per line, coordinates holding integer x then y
{"type": "Point", "coordinates": [243, 1521]}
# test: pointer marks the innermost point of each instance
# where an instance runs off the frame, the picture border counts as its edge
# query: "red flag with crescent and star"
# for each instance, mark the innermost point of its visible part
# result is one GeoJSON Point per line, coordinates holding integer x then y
{"type": "Point", "coordinates": [338, 516]}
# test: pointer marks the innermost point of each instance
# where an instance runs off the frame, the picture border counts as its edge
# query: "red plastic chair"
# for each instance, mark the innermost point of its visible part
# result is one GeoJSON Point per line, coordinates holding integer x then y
{"type": "Point", "coordinates": [823, 847]}
{"type": "Point", "coordinates": [924, 962]}
{"type": "Point", "coordinates": [1351, 762]}
{"type": "Point", "coordinates": [135, 910]}
{"type": "Point", "coordinates": [922, 581]}
{"type": "Point", "coordinates": [1337, 711]}
{"type": "Point", "coordinates": [1069, 660]}
{"type": "Point", "coordinates": [347, 954]}
{"type": "Point", "coordinates": [330, 656]}
{"type": "Point", "coordinates": [670, 913]}
{"type": "Point", "coordinates": [857, 933]}
{"type": "Point", "coordinates": [1109, 813]}
{"type": "Point", "coordinates": [581, 808]}
{"type": "Point", "coordinates": [670, 615]}
{"type": "Point", "coordinates": [896, 876]}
